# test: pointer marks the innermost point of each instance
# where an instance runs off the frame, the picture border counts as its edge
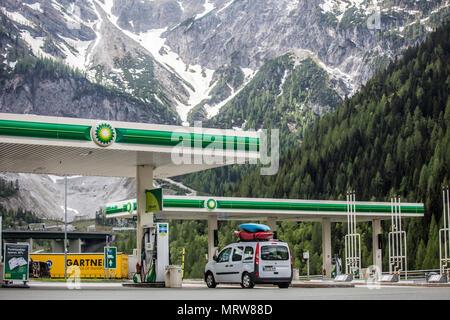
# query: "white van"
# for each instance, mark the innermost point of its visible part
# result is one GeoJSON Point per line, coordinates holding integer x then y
{"type": "Point", "coordinates": [251, 262]}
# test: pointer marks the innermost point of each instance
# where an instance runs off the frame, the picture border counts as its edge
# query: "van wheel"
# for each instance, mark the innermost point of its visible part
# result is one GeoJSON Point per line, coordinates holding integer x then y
{"type": "Point", "coordinates": [283, 285]}
{"type": "Point", "coordinates": [210, 282]}
{"type": "Point", "coordinates": [247, 281]}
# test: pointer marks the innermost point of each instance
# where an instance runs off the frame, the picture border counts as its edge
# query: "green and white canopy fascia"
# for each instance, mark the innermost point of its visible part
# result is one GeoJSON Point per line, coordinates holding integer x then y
{"type": "Point", "coordinates": [226, 208]}
{"type": "Point", "coordinates": [72, 146]}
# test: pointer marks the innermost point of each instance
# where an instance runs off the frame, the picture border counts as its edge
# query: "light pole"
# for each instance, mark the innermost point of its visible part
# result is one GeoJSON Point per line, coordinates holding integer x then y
{"type": "Point", "coordinates": [65, 227]}
{"type": "Point", "coordinates": [306, 257]}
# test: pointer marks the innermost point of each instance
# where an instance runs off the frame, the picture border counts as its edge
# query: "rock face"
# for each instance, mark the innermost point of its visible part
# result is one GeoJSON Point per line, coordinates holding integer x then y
{"type": "Point", "coordinates": [248, 32]}
{"type": "Point", "coordinates": [69, 97]}
{"type": "Point", "coordinates": [184, 42]}
{"type": "Point", "coordinates": [44, 195]}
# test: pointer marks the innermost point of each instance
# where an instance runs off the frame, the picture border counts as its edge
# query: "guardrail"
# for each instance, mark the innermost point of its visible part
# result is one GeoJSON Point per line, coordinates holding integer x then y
{"type": "Point", "coordinates": [412, 274]}
{"type": "Point", "coordinates": [417, 274]}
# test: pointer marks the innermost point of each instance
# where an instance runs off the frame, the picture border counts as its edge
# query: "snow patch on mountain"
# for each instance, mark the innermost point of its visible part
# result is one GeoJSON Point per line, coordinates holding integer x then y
{"type": "Point", "coordinates": [17, 17]}
{"type": "Point", "coordinates": [225, 6]}
{"type": "Point", "coordinates": [208, 8]}
{"type": "Point", "coordinates": [196, 76]}
{"type": "Point", "coordinates": [35, 6]}
{"type": "Point", "coordinates": [339, 7]}
{"type": "Point", "coordinates": [77, 59]}
{"type": "Point", "coordinates": [107, 7]}
{"type": "Point", "coordinates": [280, 88]}
{"type": "Point", "coordinates": [35, 43]}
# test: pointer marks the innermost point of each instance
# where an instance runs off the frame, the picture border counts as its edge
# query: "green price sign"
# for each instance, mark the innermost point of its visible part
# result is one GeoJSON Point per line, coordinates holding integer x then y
{"type": "Point", "coordinates": [16, 262]}
{"type": "Point", "coordinates": [154, 200]}
{"type": "Point", "coordinates": [110, 258]}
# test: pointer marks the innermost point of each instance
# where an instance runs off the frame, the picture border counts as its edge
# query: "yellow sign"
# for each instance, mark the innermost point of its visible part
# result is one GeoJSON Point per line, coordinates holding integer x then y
{"type": "Point", "coordinates": [154, 200]}
{"type": "Point", "coordinates": [90, 265]}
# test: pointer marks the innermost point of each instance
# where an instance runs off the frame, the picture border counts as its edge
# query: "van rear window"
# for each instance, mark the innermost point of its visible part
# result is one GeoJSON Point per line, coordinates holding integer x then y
{"type": "Point", "coordinates": [274, 253]}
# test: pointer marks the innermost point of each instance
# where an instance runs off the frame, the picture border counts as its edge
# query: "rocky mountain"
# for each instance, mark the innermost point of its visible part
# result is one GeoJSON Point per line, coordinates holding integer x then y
{"type": "Point", "coordinates": [174, 51]}
{"type": "Point", "coordinates": [44, 86]}
{"type": "Point", "coordinates": [229, 63]}
{"type": "Point", "coordinates": [44, 194]}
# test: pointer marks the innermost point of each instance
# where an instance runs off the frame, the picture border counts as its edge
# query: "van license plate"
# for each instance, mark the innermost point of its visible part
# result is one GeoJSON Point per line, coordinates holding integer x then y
{"type": "Point", "coordinates": [269, 268]}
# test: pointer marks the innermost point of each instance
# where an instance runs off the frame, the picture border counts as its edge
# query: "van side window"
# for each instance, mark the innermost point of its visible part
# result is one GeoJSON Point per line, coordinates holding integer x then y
{"type": "Point", "coordinates": [224, 256]}
{"type": "Point", "coordinates": [237, 254]}
{"type": "Point", "coordinates": [248, 253]}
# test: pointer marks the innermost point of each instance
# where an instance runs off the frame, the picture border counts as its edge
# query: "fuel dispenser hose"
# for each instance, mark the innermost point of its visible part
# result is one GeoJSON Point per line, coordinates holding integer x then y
{"type": "Point", "coordinates": [152, 277]}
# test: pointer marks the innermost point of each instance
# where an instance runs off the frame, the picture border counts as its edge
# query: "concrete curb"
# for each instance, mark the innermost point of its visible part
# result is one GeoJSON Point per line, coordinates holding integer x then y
{"type": "Point", "coordinates": [293, 284]}
{"type": "Point", "coordinates": [323, 285]}
{"type": "Point", "coordinates": [145, 285]}
{"type": "Point", "coordinates": [393, 284]}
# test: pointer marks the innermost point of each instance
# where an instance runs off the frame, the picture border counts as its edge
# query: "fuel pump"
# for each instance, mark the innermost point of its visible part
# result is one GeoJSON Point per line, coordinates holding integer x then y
{"type": "Point", "coordinates": [155, 252]}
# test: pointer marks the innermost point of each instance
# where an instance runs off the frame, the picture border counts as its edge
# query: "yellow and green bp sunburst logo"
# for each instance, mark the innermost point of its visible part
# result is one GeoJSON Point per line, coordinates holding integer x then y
{"type": "Point", "coordinates": [211, 204]}
{"type": "Point", "coordinates": [103, 134]}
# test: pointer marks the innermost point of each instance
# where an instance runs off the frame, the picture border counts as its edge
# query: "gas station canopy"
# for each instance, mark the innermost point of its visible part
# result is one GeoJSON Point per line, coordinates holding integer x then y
{"type": "Point", "coordinates": [73, 146]}
{"type": "Point", "coordinates": [233, 208]}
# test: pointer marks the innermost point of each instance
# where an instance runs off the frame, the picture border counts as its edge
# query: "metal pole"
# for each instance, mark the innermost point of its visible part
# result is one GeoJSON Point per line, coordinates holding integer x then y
{"type": "Point", "coordinates": [355, 237]}
{"type": "Point", "coordinates": [406, 258]}
{"type": "Point", "coordinates": [400, 235]}
{"type": "Point", "coordinates": [307, 267]}
{"type": "Point", "coordinates": [448, 222]}
{"type": "Point", "coordinates": [346, 237]}
{"type": "Point", "coordinates": [1, 247]}
{"type": "Point", "coordinates": [182, 264]}
{"type": "Point", "coordinates": [445, 224]}
{"type": "Point", "coordinates": [65, 227]}
{"type": "Point", "coordinates": [397, 237]}
{"type": "Point", "coordinates": [391, 235]}
{"type": "Point", "coordinates": [351, 237]}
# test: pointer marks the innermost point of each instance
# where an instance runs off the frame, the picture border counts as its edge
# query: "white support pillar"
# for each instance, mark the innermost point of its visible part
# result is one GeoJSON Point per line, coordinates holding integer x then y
{"type": "Point", "coordinates": [144, 180]}
{"type": "Point", "coordinates": [75, 245]}
{"type": "Point", "coordinates": [272, 223]}
{"type": "Point", "coordinates": [326, 247]}
{"type": "Point", "coordinates": [377, 252]}
{"type": "Point", "coordinates": [57, 246]}
{"type": "Point", "coordinates": [212, 225]}
{"type": "Point", "coordinates": [30, 242]}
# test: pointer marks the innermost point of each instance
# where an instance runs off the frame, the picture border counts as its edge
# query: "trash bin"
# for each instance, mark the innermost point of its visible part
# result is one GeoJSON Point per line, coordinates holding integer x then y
{"type": "Point", "coordinates": [173, 277]}
{"type": "Point", "coordinates": [295, 274]}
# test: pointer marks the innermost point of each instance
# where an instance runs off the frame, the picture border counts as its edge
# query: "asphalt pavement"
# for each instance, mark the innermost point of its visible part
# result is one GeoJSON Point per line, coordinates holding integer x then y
{"type": "Point", "coordinates": [198, 291]}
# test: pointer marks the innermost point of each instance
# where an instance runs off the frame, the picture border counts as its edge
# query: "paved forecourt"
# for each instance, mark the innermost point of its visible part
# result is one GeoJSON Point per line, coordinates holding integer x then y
{"type": "Point", "coordinates": [115, 291]}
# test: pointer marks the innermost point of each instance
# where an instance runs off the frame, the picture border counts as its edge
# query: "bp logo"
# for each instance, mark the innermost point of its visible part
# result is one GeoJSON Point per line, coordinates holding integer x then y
{"type": "Point", "coordinates": [211, 204]}
{"type": "Point", "coordinates": [129, 207]}
{"type": "Point", "coordinates": [103, 134]}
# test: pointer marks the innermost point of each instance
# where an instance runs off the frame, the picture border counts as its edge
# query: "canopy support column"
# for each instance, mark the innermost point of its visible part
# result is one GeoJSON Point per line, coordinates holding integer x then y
{"type": "Point", "coordinates": [326, 247]}
{"type": "Point", "coordinates": [144, 180]}
{"type": "Point", "coordinates": [376, 244]}
{"type": "Point", "coordinates": [212, 227]}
